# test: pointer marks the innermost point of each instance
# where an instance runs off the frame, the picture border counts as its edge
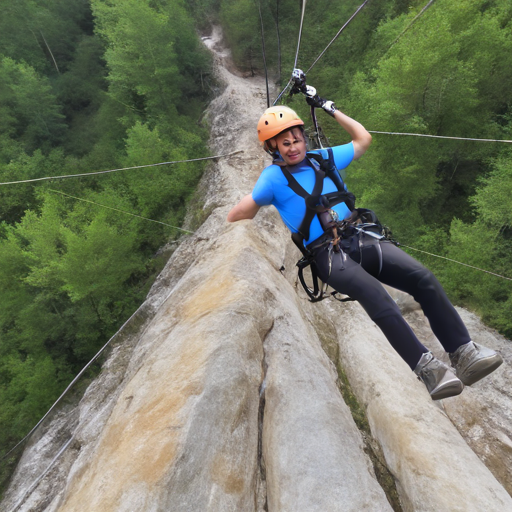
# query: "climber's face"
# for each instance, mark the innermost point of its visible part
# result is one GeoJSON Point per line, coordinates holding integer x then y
{"type": "Point", "coordinates": [291, 146]}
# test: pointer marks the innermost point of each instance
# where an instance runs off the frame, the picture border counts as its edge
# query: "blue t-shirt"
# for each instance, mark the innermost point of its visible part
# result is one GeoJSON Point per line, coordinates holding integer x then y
{"type": "Point", "coordinates": [272, 188]}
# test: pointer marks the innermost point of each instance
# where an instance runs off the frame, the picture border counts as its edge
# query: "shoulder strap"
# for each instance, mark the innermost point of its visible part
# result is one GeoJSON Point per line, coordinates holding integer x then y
{"type": "Point", "coordinates": [329, 167]}
{"type": "Point", "coordinates": [316, 202]}
{"type": "Point", "coordinates": [300, 191]}
{"type": "Point", "coordinates": [311, 200]}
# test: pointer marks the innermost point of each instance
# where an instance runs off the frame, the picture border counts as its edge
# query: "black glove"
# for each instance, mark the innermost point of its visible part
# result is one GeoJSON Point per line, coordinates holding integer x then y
{"type": "Point", "coordinates": [315, 101]}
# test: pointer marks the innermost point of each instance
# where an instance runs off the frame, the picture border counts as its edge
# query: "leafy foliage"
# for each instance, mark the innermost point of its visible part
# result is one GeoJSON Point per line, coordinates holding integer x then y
{"type": "Point", "coordinates": [96, 86]}
{"type": "Point", "coordinates": [29, 112]}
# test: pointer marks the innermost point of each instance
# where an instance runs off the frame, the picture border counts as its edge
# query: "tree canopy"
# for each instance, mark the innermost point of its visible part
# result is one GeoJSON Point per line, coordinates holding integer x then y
{"type": "Point", "coordinates": [87, 86]}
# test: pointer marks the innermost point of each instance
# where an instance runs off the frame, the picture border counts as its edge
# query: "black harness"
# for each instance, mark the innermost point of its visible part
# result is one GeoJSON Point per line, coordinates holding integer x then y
{"type": "Point", "coordinates": [321, 204]}
{"type": "Point", "coordinates": [316, 202]}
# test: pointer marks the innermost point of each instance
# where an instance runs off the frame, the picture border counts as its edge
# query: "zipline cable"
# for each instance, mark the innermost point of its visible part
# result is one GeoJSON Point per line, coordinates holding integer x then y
{"type": "Point", "coordinates": [282, 92]}
{"type": "Point", "coordinates": [296, 53]}
{"type": "Point", "coordinates": [300, 33]}
{"type": "Point", "coordinates": [117, 210]}
{"type": "Point", "coordinates": [410, 24]}
{"type": "Point", "coordinates": [264, 53]}
{"type": "Point", "coordinates": [455, 261]}
{"type": "Point", "coordinates": [64, 393]}
{"type": "Point", "coordinates": [441, 136]}
{"type": "Point", "coordinates": [42, 475]}
{"type": "Point", "coordinates": [122, 169]}
{"type": "Point", "coordinates": [326, 48]}
{"type": "Point", "coordinates": [337, 35]}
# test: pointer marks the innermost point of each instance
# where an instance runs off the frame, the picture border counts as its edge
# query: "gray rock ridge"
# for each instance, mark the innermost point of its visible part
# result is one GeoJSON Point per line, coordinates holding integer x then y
{"type": "Point", "coordinates": [223, 394]}
{"type": "Point", "coordinates": [483, 412]}
{"type": "Point", "coordinates": [434, 467]}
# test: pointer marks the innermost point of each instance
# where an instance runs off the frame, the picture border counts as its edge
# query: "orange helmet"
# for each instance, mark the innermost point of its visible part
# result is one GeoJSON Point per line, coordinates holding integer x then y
{"type": "Point", "coordinates": [275, 120]}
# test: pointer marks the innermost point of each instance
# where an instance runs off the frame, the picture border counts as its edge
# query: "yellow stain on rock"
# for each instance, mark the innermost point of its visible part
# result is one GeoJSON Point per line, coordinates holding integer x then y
{"type": "Point", "coordinates": [224, 474]}
{"type": "Point", "coordinates": [141, 439]}
{"type": "Point", "coordinates": [215, 293]}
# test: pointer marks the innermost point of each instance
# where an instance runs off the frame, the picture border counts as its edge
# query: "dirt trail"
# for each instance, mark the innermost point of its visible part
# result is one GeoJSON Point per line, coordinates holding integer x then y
{"type": "Point", "coordinates": [248, 97]}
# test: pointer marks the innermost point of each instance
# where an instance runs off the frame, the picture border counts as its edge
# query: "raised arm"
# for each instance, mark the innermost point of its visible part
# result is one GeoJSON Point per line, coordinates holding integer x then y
{"type": "Point", "coordinates": [245, 209]}
{"type": "Point", "coordinates": [361, 139]}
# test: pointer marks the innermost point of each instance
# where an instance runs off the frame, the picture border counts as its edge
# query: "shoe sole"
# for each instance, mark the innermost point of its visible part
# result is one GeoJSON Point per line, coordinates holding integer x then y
{"type": "Point", "coordinates": [481, 369]}
{"type": "Point", "coordinates": [452, 389]}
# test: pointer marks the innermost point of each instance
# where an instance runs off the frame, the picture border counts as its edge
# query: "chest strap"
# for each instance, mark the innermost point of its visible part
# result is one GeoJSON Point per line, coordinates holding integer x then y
{"type": "Point", "coordinates": [316, 202]}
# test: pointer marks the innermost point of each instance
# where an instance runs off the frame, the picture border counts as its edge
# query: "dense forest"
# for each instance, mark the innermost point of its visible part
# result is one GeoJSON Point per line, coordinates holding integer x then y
{"type": "Point", "coordinates": [91, 85]}
{"type": "Point", "coordinates": [87, 86]}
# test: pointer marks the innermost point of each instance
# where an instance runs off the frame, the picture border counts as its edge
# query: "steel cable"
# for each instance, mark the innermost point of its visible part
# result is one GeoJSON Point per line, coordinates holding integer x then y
{"type": "Point", "coordinates": [337, 35]}
{"type": "Point", "coordinates": [410, 24]}
{"type": "Point", "coordinates": [122, 169]}
{"type": "Point", "coordinates": [117, 210]}
{"type": "Point", "coordinates": [296, 53]}
{"type": "Point", "coordinates": [33, 487]}
{"type": "Point", "coordinates": [441, 136]}
{"type": "Point", "coordinates": [455, 261]}
{"type": "Point", "coordinates": [64, 393]}
{"type": "Point", "coordinates": [300, 33]}
{"type": "Point", "coordinates": [326, 48]}
{"type": "Point", "coordinates": [264, 53]}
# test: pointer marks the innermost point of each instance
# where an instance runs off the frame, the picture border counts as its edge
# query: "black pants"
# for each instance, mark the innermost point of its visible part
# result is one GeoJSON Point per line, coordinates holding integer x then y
{"type": "Point", "coordinates": [359, 270]}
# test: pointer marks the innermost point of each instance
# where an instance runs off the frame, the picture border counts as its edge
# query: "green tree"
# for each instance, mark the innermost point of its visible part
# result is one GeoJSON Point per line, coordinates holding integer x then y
{"type": "Point", "coordinates": [43, 33]}
{"type": "Point", "coordinates": [29, 112]}
{"type": "Point", "coordinates": [486, 243]}
{"type": "Point", "coordinates": [431, 81]}
{"type": "Point", "coordinates": [128, 90]}
{"type": "Point", "coordinates": [242, 23]}
{"type": "Point", "coordinates": [153, 58]}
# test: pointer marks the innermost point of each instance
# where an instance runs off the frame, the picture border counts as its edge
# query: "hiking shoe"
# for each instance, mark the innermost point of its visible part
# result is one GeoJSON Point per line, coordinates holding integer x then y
{"type": "Point", "coordinates": [472, 362]}
{"type": "Point", "coordinates": [440, 380]}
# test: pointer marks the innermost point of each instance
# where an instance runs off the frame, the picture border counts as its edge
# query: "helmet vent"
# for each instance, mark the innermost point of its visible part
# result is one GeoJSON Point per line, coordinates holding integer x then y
{"type": "Point", "coordinates": [281, 115]}
{"type": "Point", "coordinates": [266, 122]}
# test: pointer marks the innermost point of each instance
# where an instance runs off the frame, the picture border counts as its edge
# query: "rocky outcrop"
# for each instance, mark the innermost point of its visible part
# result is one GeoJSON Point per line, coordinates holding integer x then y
{"type": "Point", "coordinates": [434, 467]}
{"type": "Point", "coordinates": [483, 412]}
{"type": "Point", "coordinates": [225, 391]}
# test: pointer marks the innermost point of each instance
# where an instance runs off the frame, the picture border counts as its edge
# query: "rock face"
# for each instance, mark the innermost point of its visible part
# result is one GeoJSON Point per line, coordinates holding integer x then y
{"type": "Point", "coordinates": [483, 412]}
{"type": "Point", "coordinates": [223, 391]}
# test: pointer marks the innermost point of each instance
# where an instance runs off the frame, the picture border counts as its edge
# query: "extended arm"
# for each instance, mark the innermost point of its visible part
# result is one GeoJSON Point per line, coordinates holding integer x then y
{"type": "Point", "coordinates": [361, 139]}
{"type": "Point", "coordinates": [245, 209]}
